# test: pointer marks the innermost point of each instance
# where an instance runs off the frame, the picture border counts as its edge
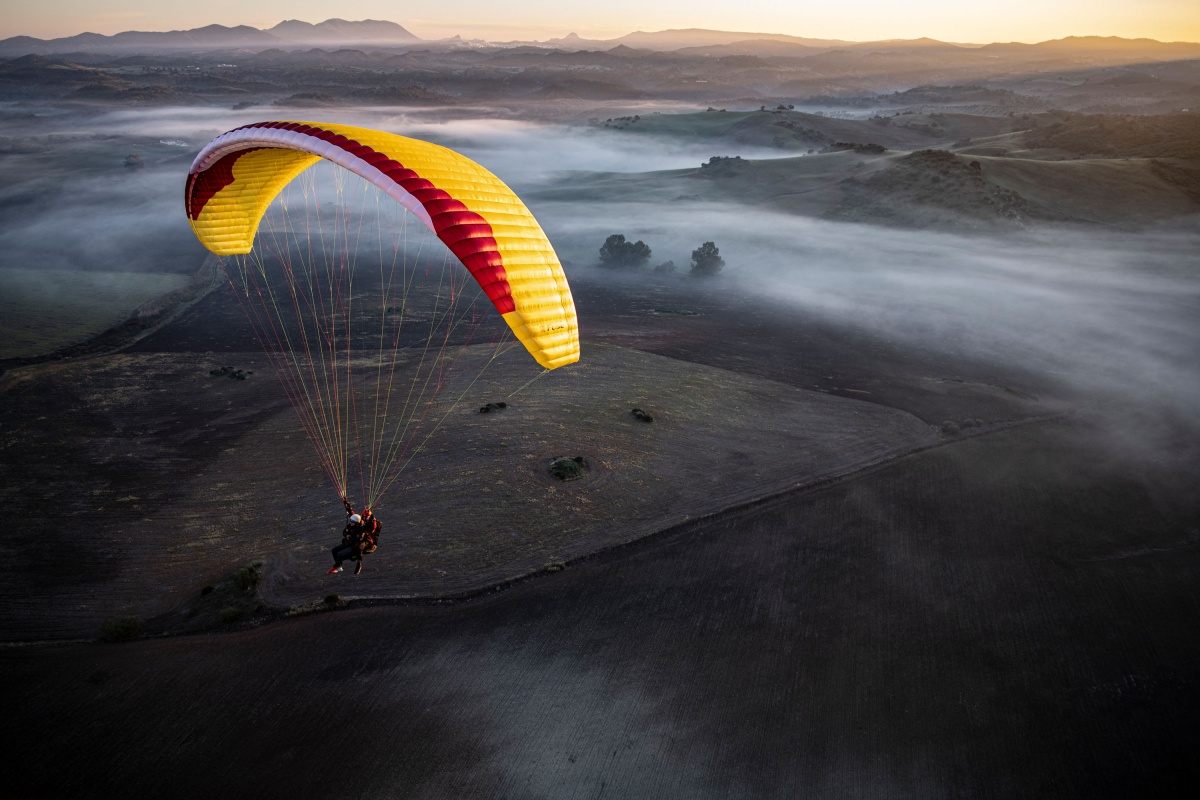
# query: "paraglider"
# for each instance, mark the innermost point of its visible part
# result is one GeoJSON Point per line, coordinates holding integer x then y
{"type": "Point", "coordinates": [331, 288]}
{"type": "Point", "coordinates": [360, 537]}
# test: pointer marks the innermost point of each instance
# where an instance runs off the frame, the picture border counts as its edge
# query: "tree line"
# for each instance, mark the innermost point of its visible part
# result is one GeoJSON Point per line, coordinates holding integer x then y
{"type": "Point", "coordinates": [619, 253]}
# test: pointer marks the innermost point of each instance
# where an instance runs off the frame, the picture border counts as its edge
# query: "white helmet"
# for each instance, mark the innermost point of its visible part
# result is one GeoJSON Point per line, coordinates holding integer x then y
{"type": "Point", "coordinates": [355, 519]}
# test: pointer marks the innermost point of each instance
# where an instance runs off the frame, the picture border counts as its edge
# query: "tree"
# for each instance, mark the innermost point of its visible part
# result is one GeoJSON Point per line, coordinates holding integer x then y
{"type": "Point", "coordinates": [706, 260]}
{"type": "Point", "coordinates": [612, 249]}
{"type": "Point", "coordinates": [616, 252]}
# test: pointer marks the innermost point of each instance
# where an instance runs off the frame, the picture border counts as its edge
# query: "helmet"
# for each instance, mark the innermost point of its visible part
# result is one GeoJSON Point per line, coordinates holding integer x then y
{"type": "Point", "coordinates": [355, 519]}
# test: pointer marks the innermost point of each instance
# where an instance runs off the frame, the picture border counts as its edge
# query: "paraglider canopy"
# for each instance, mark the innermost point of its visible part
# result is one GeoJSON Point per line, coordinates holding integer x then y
{"type": "Point", "coordinates": [236, 176]}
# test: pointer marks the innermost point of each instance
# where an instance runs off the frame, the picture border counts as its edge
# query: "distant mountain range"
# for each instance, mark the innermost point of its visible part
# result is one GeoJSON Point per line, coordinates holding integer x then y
{"type": "Point", "coordinates": [287, 34]}
{"type": "Point", "coordinates": [678, 39]}
{"type": "Point", "coordinates": [339, 33]}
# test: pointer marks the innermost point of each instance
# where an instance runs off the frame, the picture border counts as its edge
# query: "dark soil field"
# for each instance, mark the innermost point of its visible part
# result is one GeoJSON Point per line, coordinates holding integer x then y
{"type": "Point", "coordinates": [794, 582]}
{"type": "Point", "coordinates": [164, 469]}
{"type": "Point", "coordinates": [1005, 617]}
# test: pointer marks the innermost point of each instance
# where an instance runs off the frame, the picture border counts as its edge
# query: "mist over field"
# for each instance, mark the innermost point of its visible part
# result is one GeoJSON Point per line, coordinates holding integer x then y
{"type": "Point", "coordinates": [1108, 315]}
{"type": "Point", "coordinates": [106, 216]}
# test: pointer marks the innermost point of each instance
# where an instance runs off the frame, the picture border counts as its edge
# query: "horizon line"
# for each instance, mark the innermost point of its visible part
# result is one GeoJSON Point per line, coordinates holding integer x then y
{"type": "Point", "coordinates": [613, 39]}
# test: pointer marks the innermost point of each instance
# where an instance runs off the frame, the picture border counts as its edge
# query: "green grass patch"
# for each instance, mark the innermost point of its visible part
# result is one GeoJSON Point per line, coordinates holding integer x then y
{"type": "Point", "coordinates": [702, 125]}
{"type": "Point", "coordinates": [122, 629]}
{"type": "Point", "coordinates": [43, 310]}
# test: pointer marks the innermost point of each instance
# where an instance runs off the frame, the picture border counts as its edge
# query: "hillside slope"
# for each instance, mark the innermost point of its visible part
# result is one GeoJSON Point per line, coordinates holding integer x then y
{"type": "Point", "coordinates": [920, 189]}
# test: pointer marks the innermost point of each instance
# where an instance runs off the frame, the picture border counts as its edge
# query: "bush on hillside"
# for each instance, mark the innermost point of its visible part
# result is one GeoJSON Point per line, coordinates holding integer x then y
{"type": "Point", "coordinates": [706, 260]}
{"type": "Point", "coordinates": [616, 252]}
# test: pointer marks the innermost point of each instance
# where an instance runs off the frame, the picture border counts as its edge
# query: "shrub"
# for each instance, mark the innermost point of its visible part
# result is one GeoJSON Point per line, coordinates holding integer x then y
{"type": "Point", "coordinates": [231, 614]}
{"type": "Point", "coordinates": [641, 415]}
{"type": "Point", "coordinates": [706, 260]}
{"type": "Point", "coordinates": [616, 252]}
{"type": "Point", "coordinates": [567, 469]}
{"type": "Point", "coordinates": [230, 372]}
{"type": "Point", "coordinates": [868, 148]}
{"type": "Point", "coordinates": [950, 428]}
{"type": "Point", "coordinates": [122, 629]}
{"type": "Point", "coordinates": [247, 577]}
{"type": "Point", "coordinates": [724, 166]}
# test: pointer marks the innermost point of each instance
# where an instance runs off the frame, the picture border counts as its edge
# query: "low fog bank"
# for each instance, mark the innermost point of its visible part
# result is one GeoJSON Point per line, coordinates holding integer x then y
{"type": "Point", "coordinates": [1113, 319]}
{"type": "Point", "coordinates": [116, 222]}
{"type": "Point", "coordinates": [520, 152]}
{"type": "Point", "coordinates": [74, 200]}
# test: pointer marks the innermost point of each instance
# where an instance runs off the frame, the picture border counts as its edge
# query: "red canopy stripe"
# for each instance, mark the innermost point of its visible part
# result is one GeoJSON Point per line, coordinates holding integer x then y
{"type": "Point", "coordinates": [468, 235]}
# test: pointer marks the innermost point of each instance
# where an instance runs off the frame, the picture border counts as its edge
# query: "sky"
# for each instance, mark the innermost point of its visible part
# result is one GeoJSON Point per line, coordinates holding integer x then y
{"type": "Point", "coordinates": [856, 20]}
